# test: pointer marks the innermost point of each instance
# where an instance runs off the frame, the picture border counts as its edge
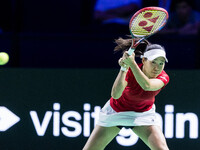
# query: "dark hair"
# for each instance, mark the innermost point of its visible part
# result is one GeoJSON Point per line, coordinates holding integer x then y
{"type": "Point", "coordinates": [154, 46]}
{"type": "Point", "coordinates": [125, 44]}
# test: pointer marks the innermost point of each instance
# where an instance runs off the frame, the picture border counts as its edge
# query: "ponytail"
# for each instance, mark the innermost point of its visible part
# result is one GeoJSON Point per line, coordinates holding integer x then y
{"type": "Point", "coordinates": [125, 44]}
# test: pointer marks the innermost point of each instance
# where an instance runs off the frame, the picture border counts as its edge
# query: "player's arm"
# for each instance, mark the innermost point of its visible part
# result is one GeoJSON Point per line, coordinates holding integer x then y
{"type": "Point", "coordinates": [120, 82]}
{"type": "Point", "coordinates": [145, 83]}
{"type": "Point", "coordinates": [119, 85]}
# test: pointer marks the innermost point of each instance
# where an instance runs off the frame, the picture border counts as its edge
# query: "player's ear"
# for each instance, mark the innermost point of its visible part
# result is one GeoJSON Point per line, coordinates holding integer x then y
{"type": "Point", "coordinates": [144, 60]}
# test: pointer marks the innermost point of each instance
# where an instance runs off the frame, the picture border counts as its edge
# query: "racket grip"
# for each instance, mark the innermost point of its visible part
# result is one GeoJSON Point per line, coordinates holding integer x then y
{"type": "Point", "coordinates": [131, 50]}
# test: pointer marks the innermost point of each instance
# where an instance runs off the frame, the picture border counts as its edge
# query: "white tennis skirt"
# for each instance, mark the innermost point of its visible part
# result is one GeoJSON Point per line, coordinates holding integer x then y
{"type": "Point", "coordinates": [108, 117]}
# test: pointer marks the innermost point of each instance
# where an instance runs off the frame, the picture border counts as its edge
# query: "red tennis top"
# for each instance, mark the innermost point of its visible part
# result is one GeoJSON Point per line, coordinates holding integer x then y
{"type": "Point", "coordinates": [134, 98]}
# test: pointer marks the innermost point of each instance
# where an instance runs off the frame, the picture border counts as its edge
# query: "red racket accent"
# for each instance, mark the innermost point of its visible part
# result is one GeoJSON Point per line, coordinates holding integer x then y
{"type": "Point", "coordinates": [148, 15]}
{"type": "Point", "coordinates": [148, 28]}
{"type": "Point", "coordinates": [154, 19]}
{"type": "Point", "coordinates": [143, 23]}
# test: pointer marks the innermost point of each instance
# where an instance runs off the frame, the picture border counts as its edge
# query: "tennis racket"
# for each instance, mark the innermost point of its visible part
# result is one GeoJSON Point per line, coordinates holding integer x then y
{"type": "Point", "coordinates": [144, 23]}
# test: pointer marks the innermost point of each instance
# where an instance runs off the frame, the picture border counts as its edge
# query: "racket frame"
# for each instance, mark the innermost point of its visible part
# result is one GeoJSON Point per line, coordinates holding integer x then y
{"type": "Point", "coordinates": [143, 37]}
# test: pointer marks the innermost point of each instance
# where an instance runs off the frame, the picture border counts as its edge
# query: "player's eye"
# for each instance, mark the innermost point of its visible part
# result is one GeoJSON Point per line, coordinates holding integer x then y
{"type": "Point", "coordinates": [161, 64]}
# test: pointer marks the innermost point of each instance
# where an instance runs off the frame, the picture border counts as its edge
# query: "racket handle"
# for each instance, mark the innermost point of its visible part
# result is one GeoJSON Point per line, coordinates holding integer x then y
{"type": "Point", "coordinates": [130, 52]}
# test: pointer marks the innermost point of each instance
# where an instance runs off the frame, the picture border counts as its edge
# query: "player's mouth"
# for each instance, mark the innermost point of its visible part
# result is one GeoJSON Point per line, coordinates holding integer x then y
{"type": "Point", "coordinates": [155, 72]}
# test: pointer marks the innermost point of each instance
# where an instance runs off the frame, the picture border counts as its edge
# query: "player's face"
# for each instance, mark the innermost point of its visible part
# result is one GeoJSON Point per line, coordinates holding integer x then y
{"type": "Point", "coordinates": [153, 68]}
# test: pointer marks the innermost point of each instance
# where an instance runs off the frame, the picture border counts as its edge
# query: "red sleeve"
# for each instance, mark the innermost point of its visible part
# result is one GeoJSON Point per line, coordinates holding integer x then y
{"type": "Point", "coordinates": [128, 75]}
{"type": "Point", "coordinates": [163, 77]}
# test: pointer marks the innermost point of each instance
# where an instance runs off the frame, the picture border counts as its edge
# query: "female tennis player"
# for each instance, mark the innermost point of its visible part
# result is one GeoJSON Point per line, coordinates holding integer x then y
{"type": "Point", "coordinates": [132, 98]}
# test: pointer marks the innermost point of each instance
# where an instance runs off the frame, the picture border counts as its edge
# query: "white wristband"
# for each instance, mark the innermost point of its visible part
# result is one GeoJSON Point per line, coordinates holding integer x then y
{"type": "Point", "coordinates": [124, 69]}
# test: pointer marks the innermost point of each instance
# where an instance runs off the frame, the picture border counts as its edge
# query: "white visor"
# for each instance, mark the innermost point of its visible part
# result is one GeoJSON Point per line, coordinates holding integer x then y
{"type": "Point", "coordinates": [155, 53]}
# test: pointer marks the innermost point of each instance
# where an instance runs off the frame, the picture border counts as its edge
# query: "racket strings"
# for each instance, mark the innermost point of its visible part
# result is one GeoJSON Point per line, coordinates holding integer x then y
{"type": "Point", "coordinates": [160, 21]}
{"type": "Point", "coordinates": [145, 26]}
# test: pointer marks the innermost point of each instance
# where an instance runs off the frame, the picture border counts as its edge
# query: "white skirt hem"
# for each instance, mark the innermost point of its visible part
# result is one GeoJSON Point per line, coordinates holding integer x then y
{"type": "Point", "coordinates": [108, 117]}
